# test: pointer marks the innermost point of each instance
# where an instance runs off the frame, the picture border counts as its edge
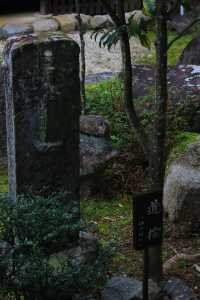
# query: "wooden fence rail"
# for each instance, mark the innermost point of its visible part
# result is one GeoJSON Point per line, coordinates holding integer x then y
{"type": "Point", "coordinates": [89, 7]}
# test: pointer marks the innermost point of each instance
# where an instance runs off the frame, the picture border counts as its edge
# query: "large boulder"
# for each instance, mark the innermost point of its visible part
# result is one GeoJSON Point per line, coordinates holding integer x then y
{"type": "Point", "coordinates": [95, 144]}
{"type": "Point", "coordinates": [182, 189]}
{"type": "Point", "coordinates": [190, 55]}
{"type": "Point", "coordinates": [99, 21]}
{"type": "Point", "coordinates": [95, 150]}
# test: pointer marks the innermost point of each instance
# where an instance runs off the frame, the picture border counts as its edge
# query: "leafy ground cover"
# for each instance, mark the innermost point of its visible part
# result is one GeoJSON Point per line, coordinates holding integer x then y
{"type": "Point", "coordinates": [110, 219]}
{"type": "Point", "coordinates": [173, 53]}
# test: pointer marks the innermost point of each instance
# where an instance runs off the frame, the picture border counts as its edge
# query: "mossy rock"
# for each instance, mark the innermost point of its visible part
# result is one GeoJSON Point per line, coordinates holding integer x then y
{"type": "Point", "coordinates": [183, 141]}
{"type": "Point", "coordinates": [182, 185]}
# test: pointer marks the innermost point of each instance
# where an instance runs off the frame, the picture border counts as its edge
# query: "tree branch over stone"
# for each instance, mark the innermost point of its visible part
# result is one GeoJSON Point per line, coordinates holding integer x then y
{"type": "Point", "coordinates": [83, 60]}
{"type": "Point", "coordinates": [118, 18]}
{"type": "Point", "coordinates": [154, 150]}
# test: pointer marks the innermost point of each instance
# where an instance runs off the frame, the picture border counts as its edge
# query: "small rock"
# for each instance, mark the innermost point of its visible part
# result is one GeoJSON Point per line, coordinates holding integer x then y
{"type": "Point", "coordinates": [101, 21]}
{"type": "Point", "coordinates": [95, 152]}
{"type": "Point", "coordinates": [68, 22]}
{"type": "Point", "coordinates": [86, 21]}
{"type": "Point", "coordinates": [94, 125]}
{"type": "Point", "coordinates": [89, 245]}
{"type": "Point", "coordinates": [176, 289]}
{"type": "Point", "coordinates": [6, 262]}
{"type": "Point", "coordinates": [86, 251]}
{"type": "Point", "coordinates": [124, 288]}
{"type": "Point", "coordinates": [5, 248]}
{"type": "Point", "coordinates": [45, 25]}
{"type": "Point", "coordinates": [10, 30]}
{"type": "Point", "coordinates": [137, 15]}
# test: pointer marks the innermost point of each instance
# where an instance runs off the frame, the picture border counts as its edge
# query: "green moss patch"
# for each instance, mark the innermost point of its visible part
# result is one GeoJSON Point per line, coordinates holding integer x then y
{"type": "Point", "coordinates": [106, 99]}
{"type": "Point", "coordinates": [3, 180]}
{"type": "Point", "coordinates": [111, 221]}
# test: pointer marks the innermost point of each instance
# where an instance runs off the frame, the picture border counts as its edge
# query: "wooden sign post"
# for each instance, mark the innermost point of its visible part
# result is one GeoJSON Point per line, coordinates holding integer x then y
{"type": "Point", "coordinates": [147, 227]}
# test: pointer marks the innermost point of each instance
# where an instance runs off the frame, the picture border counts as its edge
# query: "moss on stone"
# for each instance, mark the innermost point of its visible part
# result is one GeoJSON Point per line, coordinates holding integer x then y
{"type": "Point", "coordinates": [182, 142]}
{"type": "Point", "coordinates": [3, 180]}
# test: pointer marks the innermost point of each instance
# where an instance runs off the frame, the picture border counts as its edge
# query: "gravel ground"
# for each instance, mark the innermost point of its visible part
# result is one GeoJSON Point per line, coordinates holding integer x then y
{"type": "Point", "coordinates": [100, 60]}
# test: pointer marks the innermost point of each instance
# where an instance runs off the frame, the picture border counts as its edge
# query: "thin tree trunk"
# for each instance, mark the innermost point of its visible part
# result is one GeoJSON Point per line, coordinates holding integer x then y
{"type": "Point", "coordinates": [161, 97]}
{"type": "Point", "coordinates": [127, 82]}
{"type": "Point", "coordinates": [83, 61]}
{"type": "Point", "coordinates": [155, 154]}
{"type": "Point", "coordinates": [158, 154]}
{"type": "Point", "coordinates": [83, 68]}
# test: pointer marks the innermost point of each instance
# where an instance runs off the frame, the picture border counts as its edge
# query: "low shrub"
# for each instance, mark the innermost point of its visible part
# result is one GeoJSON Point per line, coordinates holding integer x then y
{"type": "Point", "coordinates": [32, 229]}
{"type": "Point", "coordinates": [106, 99]}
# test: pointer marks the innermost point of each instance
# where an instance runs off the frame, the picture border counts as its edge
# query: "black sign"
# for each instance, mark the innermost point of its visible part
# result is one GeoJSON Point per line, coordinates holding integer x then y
{"type": "Point", "coordinates": [147, 220]}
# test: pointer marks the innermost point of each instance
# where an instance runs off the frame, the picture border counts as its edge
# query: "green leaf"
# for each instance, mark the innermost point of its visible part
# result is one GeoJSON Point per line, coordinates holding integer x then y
{"type": "Point", "coordinates": [186, 4]}
{"type": "Point", "coordinates": [149, 7]}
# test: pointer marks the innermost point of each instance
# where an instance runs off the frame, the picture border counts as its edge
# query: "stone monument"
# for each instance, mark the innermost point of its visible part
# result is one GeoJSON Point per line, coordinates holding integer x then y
{"type": "Point", "coordinates": [42, 91]}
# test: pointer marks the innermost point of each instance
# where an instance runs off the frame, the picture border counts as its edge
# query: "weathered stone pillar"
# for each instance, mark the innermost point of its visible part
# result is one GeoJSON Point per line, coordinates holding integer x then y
{"type": "Point", "coordinates": [41, 80]}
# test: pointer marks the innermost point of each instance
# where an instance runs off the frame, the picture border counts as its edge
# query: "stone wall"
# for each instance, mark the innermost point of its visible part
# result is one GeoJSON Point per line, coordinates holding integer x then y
{"type": "Point", "coordinates": [2, 118]}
